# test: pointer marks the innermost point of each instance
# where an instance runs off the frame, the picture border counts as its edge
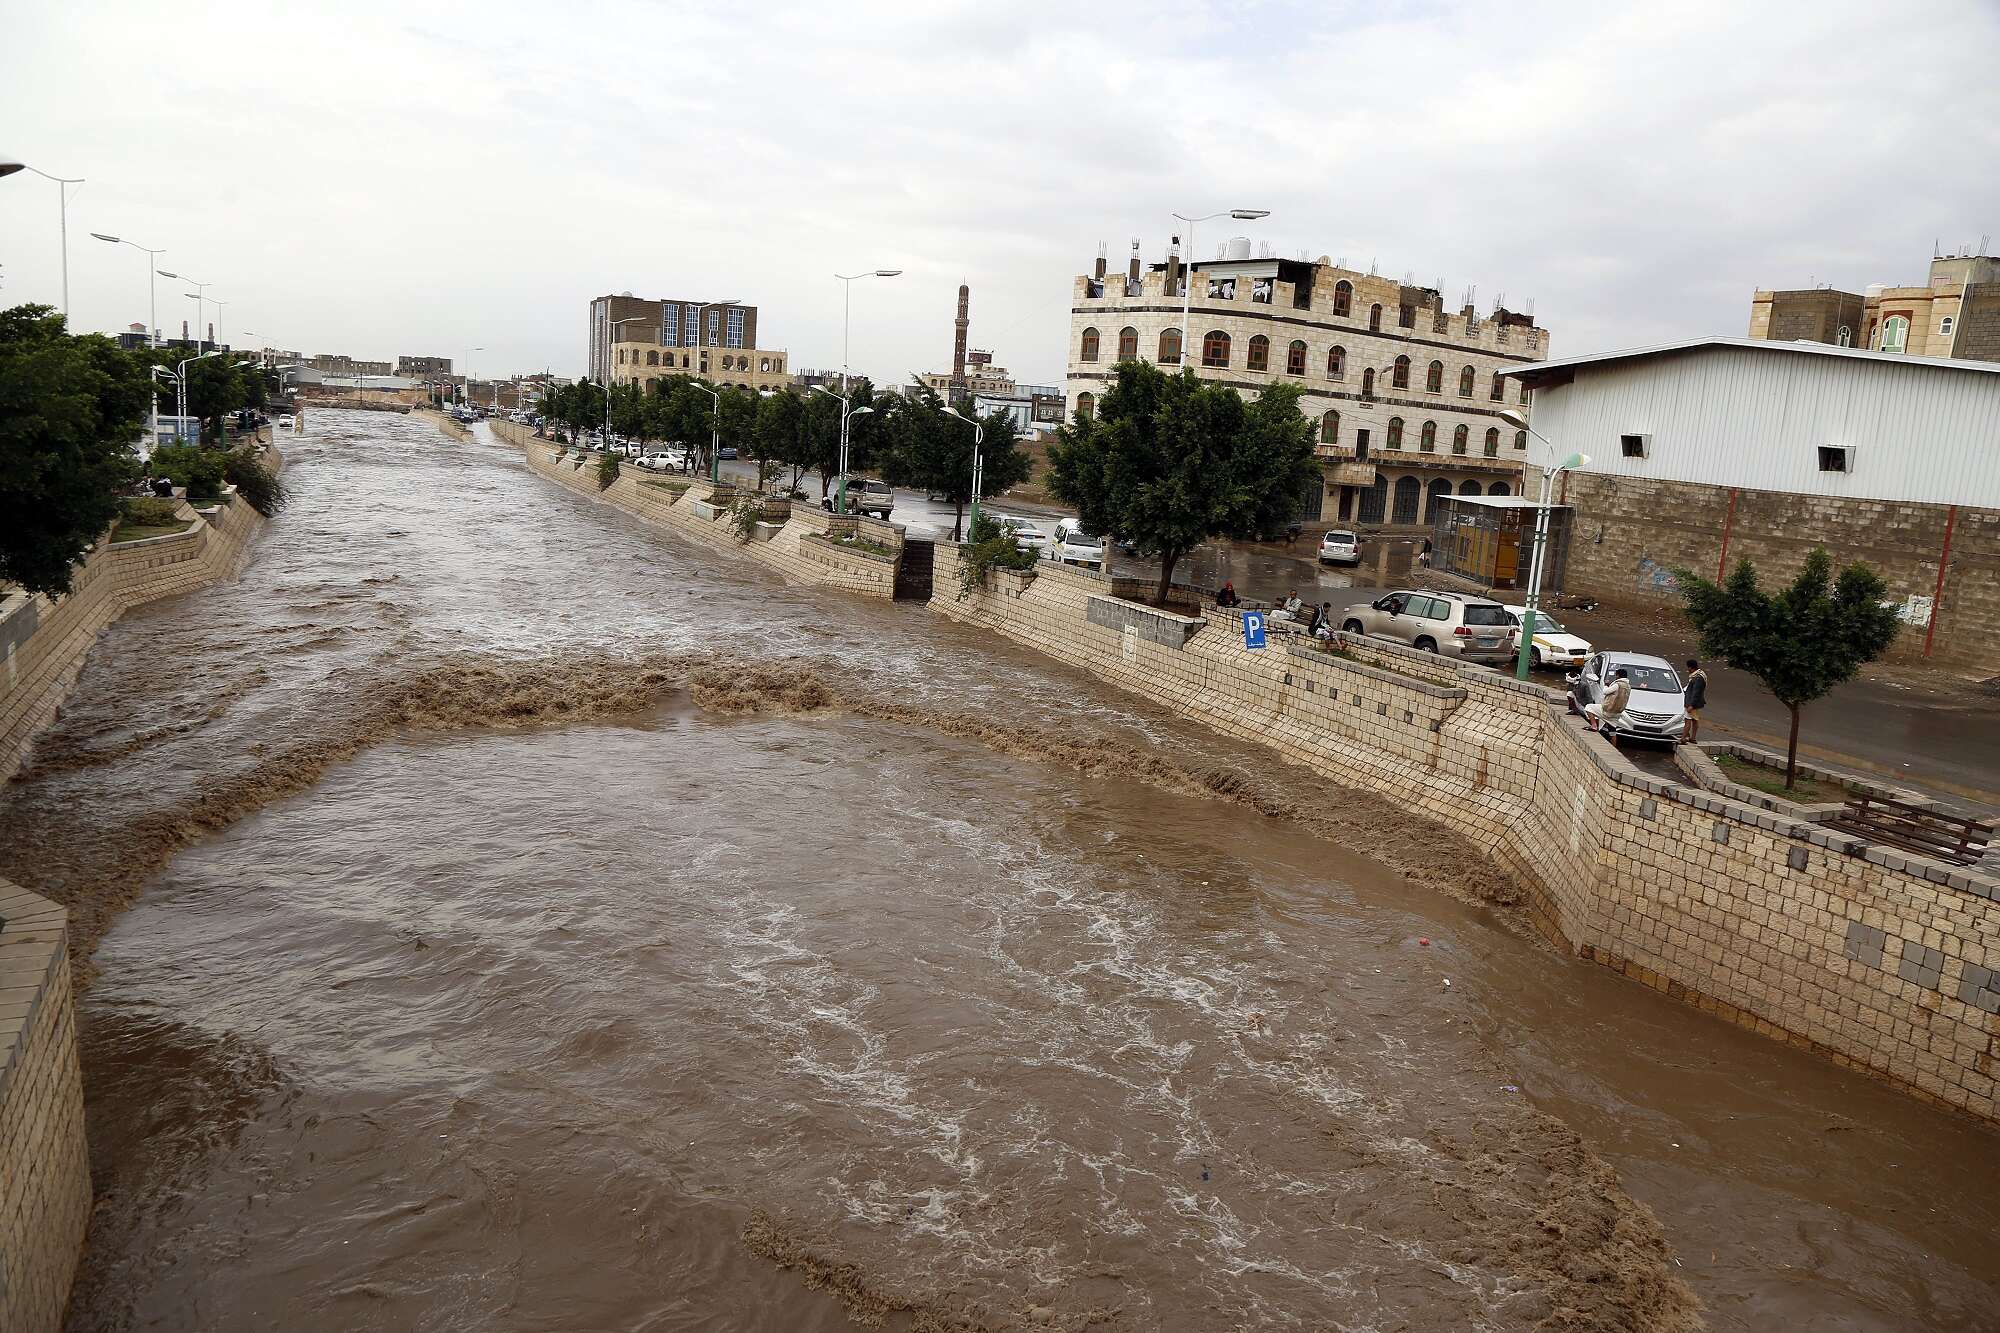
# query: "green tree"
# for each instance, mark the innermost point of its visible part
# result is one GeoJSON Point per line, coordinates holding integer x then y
{"type": "Point", "coordinates": [70, 409]}
{"type": "Point", "coordinates": [1169, 462]}
{"type": "Point", "coordinates": [780, 435]}
{"type": "Point", "coordinates": [928, 450]}
{"type": "Point", "coordinates": [201, 470]}
{"type": "Point", "coordinates": [1802, 641]}
{"type": "Point", "coordinates": [736, 421]}
{"type": "Point", "coordinates": [216, 386]}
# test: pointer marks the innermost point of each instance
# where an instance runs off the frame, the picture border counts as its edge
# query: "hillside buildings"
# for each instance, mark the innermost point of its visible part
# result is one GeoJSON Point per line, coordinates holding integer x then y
{"type": "Point", "coordinates": [1955, 314]}
{"type": "Point", "coordinates": [1707, 451]}
{"type": "Point", "coordinates": [636, 340]}
{"type": "Point", "coordinates": [1405, 394]}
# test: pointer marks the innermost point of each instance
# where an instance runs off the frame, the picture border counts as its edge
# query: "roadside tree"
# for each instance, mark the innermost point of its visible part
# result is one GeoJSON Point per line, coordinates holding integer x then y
{"type": "Point", "coordinates": [781, 435]}
{"type": "Point", "coordinates": [930, 451]}
{"type": "Point", "coordinates": [1168, 462]}
{"type": "Point", "coordinates": [70, 409]}
{"type": "Point", "coordinates": [1801, 641]}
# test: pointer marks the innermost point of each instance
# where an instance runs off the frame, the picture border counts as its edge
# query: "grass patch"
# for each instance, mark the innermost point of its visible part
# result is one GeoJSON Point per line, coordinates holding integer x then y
{"type": "Point", "coordinates": [677, 487]}
{"type": "Point", "coordinates": [134, 532]}
{"type": "Point", "coordinates": [856, 543]}
{"type": "Point", "coordinates": [1771, 781]}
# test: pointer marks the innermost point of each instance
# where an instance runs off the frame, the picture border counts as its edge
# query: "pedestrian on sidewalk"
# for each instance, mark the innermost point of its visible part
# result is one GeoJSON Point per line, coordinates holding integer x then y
{"type": "Point", "coordinates": [1694, 700]}
{"type": "Point", "coordinates": [1424, 554]}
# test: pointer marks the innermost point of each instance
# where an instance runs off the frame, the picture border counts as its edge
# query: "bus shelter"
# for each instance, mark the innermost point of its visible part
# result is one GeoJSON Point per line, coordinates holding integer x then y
{"type": "Point", "coordinates": [1490, 539]}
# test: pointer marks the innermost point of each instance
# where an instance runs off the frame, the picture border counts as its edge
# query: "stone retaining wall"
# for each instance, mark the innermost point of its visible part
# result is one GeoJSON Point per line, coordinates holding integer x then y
{"type": "Point", "coordinates": [44, 1160]}
{"type": "Point", "coordinates": [1880, 960]}
{"type": "Point", "coordinates": [801, 548]}
{"type": "Point", "coordinates": [43, 642]}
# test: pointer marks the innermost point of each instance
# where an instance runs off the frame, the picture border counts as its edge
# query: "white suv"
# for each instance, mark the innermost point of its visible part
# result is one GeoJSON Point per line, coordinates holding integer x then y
{"type": "Point", "coordinates": [1447, 623]}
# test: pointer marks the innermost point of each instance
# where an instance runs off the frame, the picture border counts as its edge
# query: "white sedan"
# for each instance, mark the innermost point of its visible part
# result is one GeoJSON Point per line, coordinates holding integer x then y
{"type": "Point", "coordinates": [1026, 535]}
{"type": "Point", "coordinates": [1554, 646]}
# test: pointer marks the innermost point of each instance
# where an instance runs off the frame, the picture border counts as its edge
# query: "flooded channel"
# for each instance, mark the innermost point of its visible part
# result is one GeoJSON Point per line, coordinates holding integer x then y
{"type": "Point", "coordinates": [507, 916]}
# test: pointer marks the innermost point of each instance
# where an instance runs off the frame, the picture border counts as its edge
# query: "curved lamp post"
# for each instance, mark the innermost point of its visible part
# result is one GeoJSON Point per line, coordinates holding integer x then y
{"type": "Point", "coordinates": [1187, 278]}
{"type": "Point", "coordinates": [846, 305]}
{"type": "Point", "coordinates": [10, 165]}
{"type": "Point", "coordinates": [1534, 600]}
{"type": "Point", "coordinates": [152, 307]}
{"type": "Point", "coordinates": [978, 464]}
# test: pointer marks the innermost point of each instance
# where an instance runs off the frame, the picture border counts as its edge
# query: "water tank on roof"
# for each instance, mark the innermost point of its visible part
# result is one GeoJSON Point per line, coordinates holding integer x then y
{"type": "Point", "coordinates": [1238, 248]}
{"type": "Point", "coordinates": [1873, 291]}
{"type": "Point", "coordinates": [626, 294]}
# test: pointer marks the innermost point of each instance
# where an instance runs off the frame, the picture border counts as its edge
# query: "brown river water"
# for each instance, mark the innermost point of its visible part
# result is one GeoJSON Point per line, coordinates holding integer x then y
{"type": "Point", "coordinates": [507, 916]}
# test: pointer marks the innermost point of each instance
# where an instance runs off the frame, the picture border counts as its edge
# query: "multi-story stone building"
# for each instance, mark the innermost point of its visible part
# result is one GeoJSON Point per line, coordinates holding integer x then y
{"type": "Point", "coordinates": [422, 367]}
{"type": "Point", "coordinates": [335, 363]}
{"type": "Point", "coordinates": [1956, 314]}
{"type": "Point", "coordinates": [634, 340]}
{"type": "Point", "coordinates": [1404, 392]}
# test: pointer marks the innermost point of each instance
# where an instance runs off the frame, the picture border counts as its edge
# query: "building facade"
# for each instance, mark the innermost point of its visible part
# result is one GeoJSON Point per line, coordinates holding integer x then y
{"type": "Point", "coordinates": [1404, 394]}
{"type": "Point", "coordinates": [333, 363]}
{"type": "Point", "coordinates": [678, 327]}
{"type": "Point", "coordinates": [1708, 451]}
{"type": "Point", "coordinates": [1956, 314]}
{"type": "Point", "coordinates": [421, 367]}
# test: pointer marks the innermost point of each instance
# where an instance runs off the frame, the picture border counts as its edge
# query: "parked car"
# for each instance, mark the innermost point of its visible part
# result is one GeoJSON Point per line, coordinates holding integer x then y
{"type": "Point", "coordinates": [868, 496]}
{"type": "Point", "coordinates": [1027, 535]}
{"type": "Point", "coordinates": [1339, 547]}
{"type": "Point", "coordinates": [1448, 623]}
{"type": "Point", "coordinates": [1653, 713]}
{"type": "Point", "coordinates": [1554, 646]}
{"type": "Point", "coordinates": [727, 453]}
{"type": "Point", "coordinates": [1075, 545]}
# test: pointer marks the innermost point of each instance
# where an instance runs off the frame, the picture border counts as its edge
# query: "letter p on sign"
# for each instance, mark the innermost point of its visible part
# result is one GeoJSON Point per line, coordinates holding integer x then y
{"type": "Point", "coordinates": [1253, 629]}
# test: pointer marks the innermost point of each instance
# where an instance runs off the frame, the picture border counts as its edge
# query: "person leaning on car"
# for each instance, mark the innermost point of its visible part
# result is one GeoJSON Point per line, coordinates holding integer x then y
{"type": "Point", "coordinates": [1616, 695]}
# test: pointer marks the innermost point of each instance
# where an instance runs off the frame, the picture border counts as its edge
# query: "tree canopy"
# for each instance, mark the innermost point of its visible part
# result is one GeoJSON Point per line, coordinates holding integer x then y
{"type": "Point", "coordinates": [71, 408]}
{"type": "Point", "coordinates": [930, 451]}
{"type": "Point", "coordinates": [1170, 461]}
{"type": "Point", "coordinates": [1801, 641]}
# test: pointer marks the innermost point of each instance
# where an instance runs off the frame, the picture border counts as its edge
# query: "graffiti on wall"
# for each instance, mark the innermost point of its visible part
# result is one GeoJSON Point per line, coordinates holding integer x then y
{"type": "Point", "coordinates": [1657, 576]}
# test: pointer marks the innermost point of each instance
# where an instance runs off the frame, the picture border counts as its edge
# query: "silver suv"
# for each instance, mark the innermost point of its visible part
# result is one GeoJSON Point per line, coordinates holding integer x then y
{"type": "Point", "coordinates": [1447, 623]}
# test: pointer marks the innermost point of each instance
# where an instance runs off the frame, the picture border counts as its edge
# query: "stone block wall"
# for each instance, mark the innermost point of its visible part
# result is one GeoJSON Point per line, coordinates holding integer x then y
{"type": "Point", "coordinates": [44, 1159]}
{"type": "Point", "coordinates": [1631, 533]}
{"type": "Point", "coordinates": [1880, 960]}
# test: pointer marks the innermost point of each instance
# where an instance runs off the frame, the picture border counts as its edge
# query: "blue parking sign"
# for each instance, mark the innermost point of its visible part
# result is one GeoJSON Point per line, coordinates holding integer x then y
{"type": "Point", "coordinates": [1253, 629]}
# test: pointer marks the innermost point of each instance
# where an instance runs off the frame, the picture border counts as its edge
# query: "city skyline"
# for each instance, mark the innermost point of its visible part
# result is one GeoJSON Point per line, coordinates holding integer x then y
{"type": "Point", "coordinates": [440, 185]}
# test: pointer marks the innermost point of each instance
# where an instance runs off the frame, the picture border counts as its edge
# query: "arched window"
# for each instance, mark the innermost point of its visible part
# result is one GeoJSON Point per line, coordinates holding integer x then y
{"type": "Point", "coordinates": [1368, 382]}
{"type": "Point", "coordinates": [621, 358]}
{"type": "Point", "coordinates": [1946, 325]}
{"type": "Point", "coordinates": [1329, 428]}
{"type": "Point", "coordinates": [1498, 488]}
{"type": "Point", "coordinates": [1336, 363]}
{"type": "Point", "coordinates": [1468, 488]}
{"type": "Point", "coordinates": [1439, 486]}
{"type": "Point", "coordinates": [1343, 298]}
{"type": "Point", "coordinates": [1375, 318]}
{"type": "Point", "coordinates": [1434, 378]}
{"type": "Point", "coordinates": [1295, 358]}
{"type": "Point", "coordinates": [1429, 441]}
{"type": "Point", "coordinates": [1374, 501]}
{"type": "Point", "coordinates": [1395, 433]}
{"type": "Point", "coordinates": [1128, 343]}
{"type": "Point", "coordinates": [1895, 333]}
{"type": "Point", "coordinates": [1400, 376]}
{"type": "Point", "coordinates": [1409, 494]}
{"type": "Point", "coordinates": [1845, 338]}
{"type": "Point", "coordinates": [1458, 436]}
{"type": "Point", "coordinates": [1215, 348]}
{"type": "Point", "coordinates": [1089, 352]}
{"type": "Point", "coordinates": [1170, 347]}
{"type": "Point", "coordinates": [1499, 389]}
{"type": "Point", "coordinates": [1520, 439]}
{"type": "Point", "coordinates": [764, 365]}
{"type": "Point", "coordinates": [1085, 404]}
{"type": "Point", "coordinates": [1259, 357]}
{"type": "Point", "coordinates": [1465, 383]}
{"type": "Point", "coordinates": [1492, 441]}
{"type": "Point", "coordinates": [653, 358]}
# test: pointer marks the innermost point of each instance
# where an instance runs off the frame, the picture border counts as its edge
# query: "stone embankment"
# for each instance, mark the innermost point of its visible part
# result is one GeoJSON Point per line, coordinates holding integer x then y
{"type": "Point", "coordinates": [45, 1207]}
{"type": "Point", "coordinates": [857, 555]}
{"type": "Point", "coordinates": [450, 425]}
{"type": "Point", "coordinates": [1878, 959]}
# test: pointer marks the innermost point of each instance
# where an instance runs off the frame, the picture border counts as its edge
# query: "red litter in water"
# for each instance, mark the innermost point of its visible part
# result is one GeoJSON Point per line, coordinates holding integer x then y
{"type": "Point", "coordinates": [1424, 940]}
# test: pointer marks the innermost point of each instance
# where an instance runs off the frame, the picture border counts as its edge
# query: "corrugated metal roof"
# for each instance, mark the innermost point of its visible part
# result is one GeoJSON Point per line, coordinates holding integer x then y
{"type": "Point", "coordinates": [1544, 371]}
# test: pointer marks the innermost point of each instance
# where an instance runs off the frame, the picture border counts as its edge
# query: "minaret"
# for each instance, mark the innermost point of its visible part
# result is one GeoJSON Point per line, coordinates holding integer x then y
{"type": "Point", "coordinates": [959, 327]}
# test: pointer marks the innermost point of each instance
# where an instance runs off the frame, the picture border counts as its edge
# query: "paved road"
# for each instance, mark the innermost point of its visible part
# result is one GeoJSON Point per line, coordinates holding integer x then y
{"type": "Point", "coordinates": [1931, 737]}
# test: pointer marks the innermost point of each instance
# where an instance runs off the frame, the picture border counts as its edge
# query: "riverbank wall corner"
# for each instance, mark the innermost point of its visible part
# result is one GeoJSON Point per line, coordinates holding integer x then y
{"type": "Point", "coordinates": [1880, 960]}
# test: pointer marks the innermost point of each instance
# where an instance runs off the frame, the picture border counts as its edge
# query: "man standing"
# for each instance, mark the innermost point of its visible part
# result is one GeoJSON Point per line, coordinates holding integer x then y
{"type": "Point", "coordinates": [1694, 700]}
{"type": "Point", "coordinates": [1608, 710]}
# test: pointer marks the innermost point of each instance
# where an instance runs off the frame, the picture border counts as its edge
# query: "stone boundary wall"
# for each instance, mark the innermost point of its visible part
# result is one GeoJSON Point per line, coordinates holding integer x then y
{"type": "Point", "coordinates": [1880, 960]}
{"type": "Point", "coordinates": [799, 548]}
{"type": "Point", "coordinates": [449, 425]}
{"type": "Point", "coordinates": [38, 667]}
{"type": "Point", "coordinates": [44, 1158]}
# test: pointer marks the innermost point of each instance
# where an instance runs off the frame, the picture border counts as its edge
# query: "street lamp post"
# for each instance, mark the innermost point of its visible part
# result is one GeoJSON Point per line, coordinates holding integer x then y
{"type": "Point", "coordinates": [152, 306]}
{"type": "Point", "coordinates": [10, 165]}
{"type": "Point", "coordinates": [846, 306]}
{"type": "Point", "coordinates": [978, 464]}
{"type": "Point", "coordinates": [700, 341]}
{"type": "Point", "coordinates": [180, 401]}
{"type": "Point", "coordinates": [218, 318]}
{"type": "Point", "coordinates": [1534, 599]}
{"type": "Point", "coordinates": [847, 409]}
{"type": "Point", "coordinates": [198, 295]}
{"type": "Point", "coordinates": [1187, 275]}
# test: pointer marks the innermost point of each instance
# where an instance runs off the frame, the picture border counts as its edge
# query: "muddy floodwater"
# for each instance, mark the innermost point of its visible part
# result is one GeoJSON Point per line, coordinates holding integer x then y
{"type": "Point", "coordinates": [501, 915]}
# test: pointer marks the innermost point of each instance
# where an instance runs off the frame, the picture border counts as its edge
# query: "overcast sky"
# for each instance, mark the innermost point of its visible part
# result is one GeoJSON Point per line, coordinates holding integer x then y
{"type": "Point", "coordinates": [380, 179]}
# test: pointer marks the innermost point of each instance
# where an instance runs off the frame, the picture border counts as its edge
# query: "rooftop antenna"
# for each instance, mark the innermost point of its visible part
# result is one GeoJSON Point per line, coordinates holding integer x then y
{"type": "Point", "coordinates": [1340, 262]}
{"type": "Point", "coordinates": [1371, 268]}
{"type": "Point", "coordinates": [1531, 310]}
{"type": "Point", "coordinates": [1500, 302]}
{"type": "Point", "coordinates": [1985, 241]}
{"type": "Point", "coordinates": [1409, 277]}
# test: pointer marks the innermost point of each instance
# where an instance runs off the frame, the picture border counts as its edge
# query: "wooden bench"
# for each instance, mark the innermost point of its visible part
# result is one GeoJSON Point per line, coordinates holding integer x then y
{"type": "Point", "coordinates": [1941, 837]}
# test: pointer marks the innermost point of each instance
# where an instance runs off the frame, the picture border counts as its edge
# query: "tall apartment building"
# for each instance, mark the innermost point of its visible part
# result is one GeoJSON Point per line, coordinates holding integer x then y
{"type": "Point", "coordinates": [636, 339]}
{"type": "Point", "coordinates": [1404, 393]}
{"type": "Point", "coordinates": [1955, 314]}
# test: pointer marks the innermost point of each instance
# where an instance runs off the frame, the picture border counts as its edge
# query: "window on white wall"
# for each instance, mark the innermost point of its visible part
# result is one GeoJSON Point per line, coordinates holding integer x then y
{"type": "Point", "coordinates": [1836, 458]}
{"type": "Point", "coordinates": [1635, 446]}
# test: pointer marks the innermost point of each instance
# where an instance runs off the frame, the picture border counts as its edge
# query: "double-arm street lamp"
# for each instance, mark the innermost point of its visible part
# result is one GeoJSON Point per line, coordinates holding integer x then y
{"type": "Point", "coordinates": [847, 410]}
{"type": "Point", "coordinates": [10, 165]}
{"type": "Point", "coordinates": [1549, 474]}
{"type": "Point", "coordinates": [846, 309]}
{"type": "Point", "coordinates": [1187, 265]}
{"type": "Point", "coordinates": [152, 307]}
{"type": "Point", "coordinates": [198, 295]}
{"type": "Point", "coordinates": [978, 464]}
